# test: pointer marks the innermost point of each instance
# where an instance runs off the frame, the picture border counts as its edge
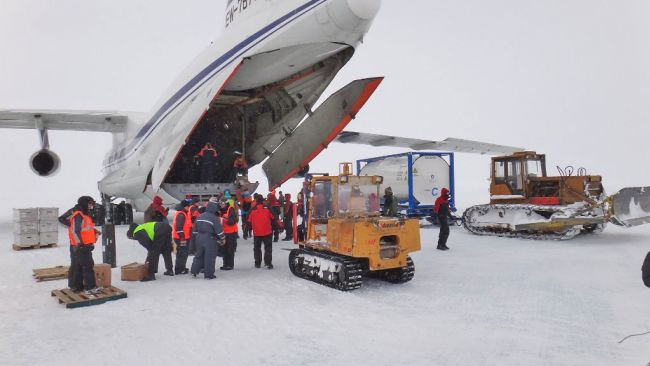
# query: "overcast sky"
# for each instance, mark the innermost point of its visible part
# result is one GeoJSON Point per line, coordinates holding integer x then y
{"type": "Point", "coordinates": [570, 78]}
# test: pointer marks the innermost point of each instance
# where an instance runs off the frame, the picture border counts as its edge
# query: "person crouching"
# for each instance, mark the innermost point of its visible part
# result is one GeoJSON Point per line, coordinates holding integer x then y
{"type": "Point", "coordinates": [156, 238]}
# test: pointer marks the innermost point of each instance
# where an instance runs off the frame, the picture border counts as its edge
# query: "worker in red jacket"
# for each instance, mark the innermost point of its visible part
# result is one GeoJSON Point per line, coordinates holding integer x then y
{"type": "Point", "coordinates": [276, 210]}
{"type": "Point", "coordinates": [261, 220]}
{"type": "Point", "coordinates": [287, 217]}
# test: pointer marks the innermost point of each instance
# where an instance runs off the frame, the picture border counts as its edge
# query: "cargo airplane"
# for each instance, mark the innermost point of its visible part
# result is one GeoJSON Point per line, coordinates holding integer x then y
{"type": "Point", "coordinates": [252, 90]}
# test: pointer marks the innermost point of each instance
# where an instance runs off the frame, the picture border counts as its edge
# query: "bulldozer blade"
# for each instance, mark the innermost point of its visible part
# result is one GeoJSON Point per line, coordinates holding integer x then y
{"type": "Point", "coordinates": [631, 206]}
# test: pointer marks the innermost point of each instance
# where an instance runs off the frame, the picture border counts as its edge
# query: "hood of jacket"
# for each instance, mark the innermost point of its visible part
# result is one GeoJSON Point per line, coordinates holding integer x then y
{"type": "Point", "coordinates": [212, 207]}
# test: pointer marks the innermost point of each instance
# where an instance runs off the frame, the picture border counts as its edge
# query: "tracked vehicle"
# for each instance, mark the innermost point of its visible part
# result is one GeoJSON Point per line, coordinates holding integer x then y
{"type": "Point", "coordinates": [346, 238]}
{"type": "Point", "coordinates": [526, 203]}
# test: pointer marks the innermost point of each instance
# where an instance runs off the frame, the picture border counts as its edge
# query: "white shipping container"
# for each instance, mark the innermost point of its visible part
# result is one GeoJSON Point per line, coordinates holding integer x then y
{"type": "Point", "coordinates": [48, 238]}
{"type": "Point", "coordinates": [48, 226]}
{"type": "Point", "coordinates": [27, 227]}
{"type": "Point", "coordinates": [48, 213]}
{"type": "Point", "coordinates": [26, 240]}
{"type": "Point", "coordinates": [430, 176]}
{"type": "Point", "coordinates": [25, 214]}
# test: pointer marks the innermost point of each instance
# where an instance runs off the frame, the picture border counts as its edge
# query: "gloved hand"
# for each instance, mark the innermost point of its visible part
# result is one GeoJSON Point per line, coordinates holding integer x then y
{"type": "Point", "coordinates": [91, 247]}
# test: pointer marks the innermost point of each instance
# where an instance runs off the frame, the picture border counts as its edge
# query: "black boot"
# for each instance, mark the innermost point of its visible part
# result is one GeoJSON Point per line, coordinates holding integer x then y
{"type": "Point", "coordinates": [168, 273]}
{"type": "Point", "coordinates": [148, 278]}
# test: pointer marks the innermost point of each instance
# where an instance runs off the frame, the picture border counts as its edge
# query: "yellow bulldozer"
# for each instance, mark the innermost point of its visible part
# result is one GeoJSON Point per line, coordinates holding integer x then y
{"type": "Point", "coordinates": [527, 203]}
{"type": "Point", "coordinates": [346, 237]}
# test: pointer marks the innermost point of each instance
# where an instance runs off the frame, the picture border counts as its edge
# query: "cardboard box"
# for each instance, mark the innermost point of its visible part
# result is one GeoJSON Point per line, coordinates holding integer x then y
{"type": "Point", "coordinates": [48, 238]}
{"type": "Point", "coordinates": [26, 240]}
{"type": "Point", "coordinates": [103, 275]}
{"type": "Point", "coordinates": [48, 226]}
{"type": "Point", "coordinates": [133, 272]}
{"type": "Point", "coordinates": [26, 227]}
{"type": "Point", "coordinates": [48, 213]}
{"type": "Point", "coordinates": [25, 214]}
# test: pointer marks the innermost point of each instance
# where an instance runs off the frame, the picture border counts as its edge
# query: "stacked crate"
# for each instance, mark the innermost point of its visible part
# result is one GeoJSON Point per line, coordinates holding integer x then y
{"type": "Point", "coordinates": [34, 227]}
{"type": "Point", "coordinates": [48, 225]}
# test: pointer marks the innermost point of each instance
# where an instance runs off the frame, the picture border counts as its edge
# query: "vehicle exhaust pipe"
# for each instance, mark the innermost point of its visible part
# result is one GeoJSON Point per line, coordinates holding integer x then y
{"type": "Point", "coordinates": [45, 163]}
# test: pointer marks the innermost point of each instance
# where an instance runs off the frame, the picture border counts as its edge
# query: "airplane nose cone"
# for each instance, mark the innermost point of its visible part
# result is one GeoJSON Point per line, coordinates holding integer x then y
{"type": "Point", "coordinates": [365, 9]}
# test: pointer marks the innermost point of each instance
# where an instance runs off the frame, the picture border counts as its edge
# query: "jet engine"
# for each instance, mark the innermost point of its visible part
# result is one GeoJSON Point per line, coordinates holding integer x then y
{"type": "Point", "coordinates": [45, 163]}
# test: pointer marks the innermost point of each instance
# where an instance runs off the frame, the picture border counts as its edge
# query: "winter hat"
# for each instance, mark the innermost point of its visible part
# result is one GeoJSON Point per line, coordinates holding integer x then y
{"type": "Point", "coordinates": [83, 203]}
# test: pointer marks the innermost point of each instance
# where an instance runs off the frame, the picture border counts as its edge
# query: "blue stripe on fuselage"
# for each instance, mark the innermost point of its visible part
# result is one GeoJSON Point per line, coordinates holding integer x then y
{"type": "Point", "coordinates": [215, 67]}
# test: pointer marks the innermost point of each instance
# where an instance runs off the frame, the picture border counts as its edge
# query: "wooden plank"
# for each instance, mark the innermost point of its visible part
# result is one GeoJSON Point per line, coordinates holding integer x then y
{"type": "Point", "coordinates": [73, 300]}
{"type": "Point", "coordinates": [49, 274]}
{"type": "Point", "coordinates": [37, 246]}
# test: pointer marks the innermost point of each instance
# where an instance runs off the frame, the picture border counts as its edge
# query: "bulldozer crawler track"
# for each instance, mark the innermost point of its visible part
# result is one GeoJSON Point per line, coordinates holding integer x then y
{"type": "Point", "coordinates": [569, 233]}
{"type": "Point", "coordinates": [308, 264]}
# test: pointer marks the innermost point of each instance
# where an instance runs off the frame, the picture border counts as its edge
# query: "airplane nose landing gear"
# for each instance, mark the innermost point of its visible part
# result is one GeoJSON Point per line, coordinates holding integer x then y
{"type": "Point", "coordinates": [108, 233]}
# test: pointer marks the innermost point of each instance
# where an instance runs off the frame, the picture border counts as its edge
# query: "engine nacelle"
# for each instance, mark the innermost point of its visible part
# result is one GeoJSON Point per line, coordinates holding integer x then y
{"type": "Point", "coordinates": [45, 163]}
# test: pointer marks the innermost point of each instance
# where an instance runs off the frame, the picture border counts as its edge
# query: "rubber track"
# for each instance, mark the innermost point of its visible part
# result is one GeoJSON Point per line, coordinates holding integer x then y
{"type": "Point", "coordinates": [403, 274]}
{"type": "Point", "coordinates": [352, 267]}
{"type": "Point", "coordinates": [516, 234]}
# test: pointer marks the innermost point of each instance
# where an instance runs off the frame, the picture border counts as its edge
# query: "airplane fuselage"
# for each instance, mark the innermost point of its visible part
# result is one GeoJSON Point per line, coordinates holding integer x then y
{"type": "Point", "coordinates": [244, 92]}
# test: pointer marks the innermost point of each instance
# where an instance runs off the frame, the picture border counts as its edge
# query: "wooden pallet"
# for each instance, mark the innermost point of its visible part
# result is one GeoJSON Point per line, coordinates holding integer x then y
{"type": "Point", "coordinates": [36, 246]}
{"type": "Point", "coordinates": [76, 300]}
{"type": "Point", "coordinates": [49, 274]}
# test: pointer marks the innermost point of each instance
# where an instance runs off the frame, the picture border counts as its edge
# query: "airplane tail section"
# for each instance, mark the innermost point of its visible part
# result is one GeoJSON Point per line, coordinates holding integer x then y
{"type": "Point", "coordinates": [314, 134]}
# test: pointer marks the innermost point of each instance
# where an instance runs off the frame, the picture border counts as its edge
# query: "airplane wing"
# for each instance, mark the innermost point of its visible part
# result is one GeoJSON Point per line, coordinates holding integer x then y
{"type": "Point", "coordinates": [449, 144]}
{"type": "Point", "coordinates": [95, 121]}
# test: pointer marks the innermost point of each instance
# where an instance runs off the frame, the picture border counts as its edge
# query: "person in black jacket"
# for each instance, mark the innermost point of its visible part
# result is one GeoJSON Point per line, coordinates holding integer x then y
{"type": "Point", "coordinates": [156, 237]}
{"type": "Point", "coordinates": [645, 270]}
{"type": "Point", "coordinates": [208, 233]}
{"type": "Point", "coordinates": [229, 221]}
{"type": "Point", "coordinates": [207, 160]}
{"type": "Point", "coordinates": [441, 208]}
{"type": "Point", "coordinates": [83, 235]}
{"type": "Point", "coordinates": [65, 221]}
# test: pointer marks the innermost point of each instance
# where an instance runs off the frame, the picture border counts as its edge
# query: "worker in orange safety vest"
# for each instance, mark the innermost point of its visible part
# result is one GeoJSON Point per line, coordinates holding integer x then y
{"type": "Point", "coordinates": [229, 219]}
{"type": "Point", "coordinates": [83, 236]}
{"type": "Point", "coordinates": [181, 233]}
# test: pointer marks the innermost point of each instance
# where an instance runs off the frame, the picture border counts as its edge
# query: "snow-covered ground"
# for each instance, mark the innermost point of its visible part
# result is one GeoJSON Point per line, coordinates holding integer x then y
{"type": "Point", "coordinates": [487, 301]}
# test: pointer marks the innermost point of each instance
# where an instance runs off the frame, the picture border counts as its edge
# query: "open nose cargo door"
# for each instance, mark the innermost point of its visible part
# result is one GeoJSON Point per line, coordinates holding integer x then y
{"type": "Point", "coordinates": [314, 134]}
